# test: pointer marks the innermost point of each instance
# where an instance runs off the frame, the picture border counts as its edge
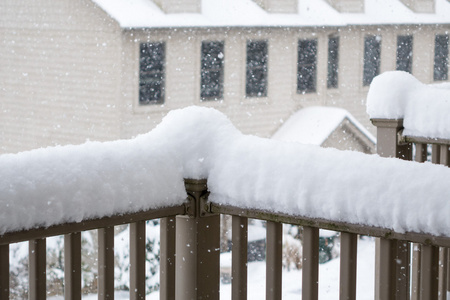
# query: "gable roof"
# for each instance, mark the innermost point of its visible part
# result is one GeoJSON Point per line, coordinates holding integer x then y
{"type": "Point", "coordinates": [313, 125]}
{"type": "Point", "coordinates": [246, 13]}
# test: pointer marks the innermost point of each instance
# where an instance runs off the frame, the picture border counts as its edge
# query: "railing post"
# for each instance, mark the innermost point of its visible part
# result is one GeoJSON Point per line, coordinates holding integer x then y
{"type": "Point", "coordinates": [392, 279]}
{"type": "Point", "coordinates": [167, 259]}
{"type": "Point", "coordinates": [197, 247]}
{"type": "Point", "coordinates": [4, 271]}
{"type": "Point", "coordinates": [37, 269]}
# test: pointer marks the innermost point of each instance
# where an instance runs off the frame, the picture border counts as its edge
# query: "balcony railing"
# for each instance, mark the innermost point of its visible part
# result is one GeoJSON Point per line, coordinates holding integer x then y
{"type": "Point", "coordinates": [190, 231]}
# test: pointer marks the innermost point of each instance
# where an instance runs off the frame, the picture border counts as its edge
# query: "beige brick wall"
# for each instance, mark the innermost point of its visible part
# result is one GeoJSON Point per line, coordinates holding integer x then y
{"type": "Point", "coordinates": [60, 75]}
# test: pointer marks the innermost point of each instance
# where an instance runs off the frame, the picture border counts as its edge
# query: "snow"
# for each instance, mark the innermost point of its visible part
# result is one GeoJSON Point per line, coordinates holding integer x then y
{"type": "Point", "coordinates": [237, 13]}
{"type": "Point", "coordinates": [313, 125]}
{"type": "Point", "coordinates": [423, 108]}
{"type": "Point", "coordinates": [72, 183]}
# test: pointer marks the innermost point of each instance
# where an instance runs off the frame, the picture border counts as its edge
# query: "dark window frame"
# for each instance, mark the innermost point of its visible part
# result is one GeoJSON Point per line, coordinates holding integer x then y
{"type": "Point", "coordinates": [372, 58]}
{"type": "Point", "coordinates": [307, 66]}
{"type": "Point", "coordinates": [212, 70]}
{"type": "Point", "coordinates": [256, 68]}
{"type": "Point", "coordinates": [333, 62]}
{"type": "Point", "coordinates": [441, 59]}
{"type": "Point", "coordinates": [404, 57]}
{"type": "Point", "coordinates": [152, 73]}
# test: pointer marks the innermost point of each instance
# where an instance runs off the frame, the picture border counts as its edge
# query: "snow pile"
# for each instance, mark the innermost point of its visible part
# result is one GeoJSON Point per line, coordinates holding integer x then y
{"type": "Point", "coordinates": [424, 108]}
{"type": "Point", "coordinates": [54, 185]}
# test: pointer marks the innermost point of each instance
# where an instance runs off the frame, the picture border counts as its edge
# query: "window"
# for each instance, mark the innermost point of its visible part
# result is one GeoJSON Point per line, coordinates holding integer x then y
{"type": "Point", "coordinates": [306, 67]}
{"type": "Point", "coordinates": [333, 60]}
{"type": "Point", "coordinates": [256, 85]}
{"type": "Point", "coordinates": [372, 51]}
{"type": "Point", "coordinates": [404, 53]}
{"type": "Point", "coordinates": [151, 73]}
{"type": "Point", "coordinates": [441, 57]}
{"type": "Point", "coordinates": [212, 71]}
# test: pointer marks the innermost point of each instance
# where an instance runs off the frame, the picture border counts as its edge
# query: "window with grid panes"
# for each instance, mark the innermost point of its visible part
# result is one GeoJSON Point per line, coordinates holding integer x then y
{"type": "Point", "coordinates": [306, 67]}
{"type": "Point", "coordinates": [441, 57]}
{"type": "Point", "coordinates": [372, 58]}
{"type": "Point", "coordinates": [333, 62]}
{"type": "Point", "coordinates": [151, 73]}
{"type": "Point", "coordinates": [404, 53]}
{"type": "Point", "coordinates": [256, 74]}
{"type": "Point", "coordinates": [212, 71]}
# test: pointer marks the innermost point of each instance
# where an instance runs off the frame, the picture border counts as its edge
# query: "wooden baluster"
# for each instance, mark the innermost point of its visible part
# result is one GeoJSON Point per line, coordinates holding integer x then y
{"type": "Point", "coordinates": [310, 259]}
{"type": "Point", "coordinates": [429, 276]}
{"type": "Point", "coordinates": [167, 260]}
{"type": "Point", "coordinates": [274, 264]}
{"type": "Point", "coordinates": [106, 263]}
{"type": "Point", "coordinates": [4, 271]}
{"type": "Point", "coordinates": [239, 258]}
{"type": "Point", "coordinates": [349, 250]}
{"type": "Point", "coordinates": [137, 260]}
{"type": "Point", "coordinates": [72, 266]}
{"type": "Point", "coordinates": [37, 269]}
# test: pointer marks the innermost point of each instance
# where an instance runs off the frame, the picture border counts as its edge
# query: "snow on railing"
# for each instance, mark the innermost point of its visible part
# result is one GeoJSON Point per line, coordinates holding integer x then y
{"type": "Point", "coordinates": [412, 118]}
{"type": "Point", "coordinates": [100, 185]}
{"type": "Point", "coordinates": [73, 183]}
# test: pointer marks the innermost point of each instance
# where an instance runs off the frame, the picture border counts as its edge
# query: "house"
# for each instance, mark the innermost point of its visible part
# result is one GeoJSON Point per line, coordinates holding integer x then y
{"type": "Point", "coordinates": [327, 127]}
{"type": "Point", "coordinates": [77, 70]}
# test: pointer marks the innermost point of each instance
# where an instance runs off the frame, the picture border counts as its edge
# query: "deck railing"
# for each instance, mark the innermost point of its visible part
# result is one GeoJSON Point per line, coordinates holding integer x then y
{"type": "Point", "coordinates": [190, 246]}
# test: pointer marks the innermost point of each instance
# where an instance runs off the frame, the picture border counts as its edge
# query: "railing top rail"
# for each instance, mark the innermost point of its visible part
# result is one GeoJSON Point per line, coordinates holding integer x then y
{"type": "Point", "coordinates": [60, 229]}
{"type": "Point", "coordinates": [423, 238]}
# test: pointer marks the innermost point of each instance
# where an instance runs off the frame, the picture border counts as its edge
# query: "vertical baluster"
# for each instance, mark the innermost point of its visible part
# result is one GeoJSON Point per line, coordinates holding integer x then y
{"type": "Point", "coordinates": [72, 266]}
{"type": "Point", "coordinates": [239, 258]}
{"type": "Point", "coordinates": [384, 269]}
{"type": "Point", "coordinates": [274, 255]}
{"type": "Point", "coordinates": [167, 259]}
{"type": "Point", "coordinates": [443, 258]}
{"type": "Point", "coordinates": [420, 156]}
{"type": "Point", "coordinates": [429, 272]}
{"type": "Point", "coordinates": [37, 273]}
{"type": "Point", "coordinates": [137, 260]}
{"type": "Point", "coordinates": [106, 263]}
{"type": "Point", "coordinates": [4, 271]}
{"type": "Point", "coordinates": [310, 259]}
{"type": "Point", "coordinates": [349, 246]}
{"type": "Point", "coordinates": [444, 252]}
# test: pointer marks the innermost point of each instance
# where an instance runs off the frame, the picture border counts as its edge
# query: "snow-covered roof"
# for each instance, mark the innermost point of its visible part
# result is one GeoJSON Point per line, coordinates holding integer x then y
{"type": "Point", "coordinates": [313, 125]}
{"type": "Point", "coordinates": [236, 13]}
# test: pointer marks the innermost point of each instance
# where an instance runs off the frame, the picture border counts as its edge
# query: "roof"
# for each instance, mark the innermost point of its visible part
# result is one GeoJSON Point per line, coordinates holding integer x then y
{"type": "Point", "coordinates": [246, 13]}
{"type": "Point", "coordinates": [313, 125]}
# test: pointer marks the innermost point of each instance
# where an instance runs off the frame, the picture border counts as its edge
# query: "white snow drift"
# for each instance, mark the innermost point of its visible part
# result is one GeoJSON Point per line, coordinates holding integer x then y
{"type": "Point", "coordinates": [72, 183]}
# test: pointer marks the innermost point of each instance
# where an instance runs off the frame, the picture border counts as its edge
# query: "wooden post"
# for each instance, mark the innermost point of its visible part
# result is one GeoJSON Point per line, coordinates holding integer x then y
{"type": "Point", "coordinates": [392, 279]}
{"type": "Point", "coordinates": [197, 273]}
